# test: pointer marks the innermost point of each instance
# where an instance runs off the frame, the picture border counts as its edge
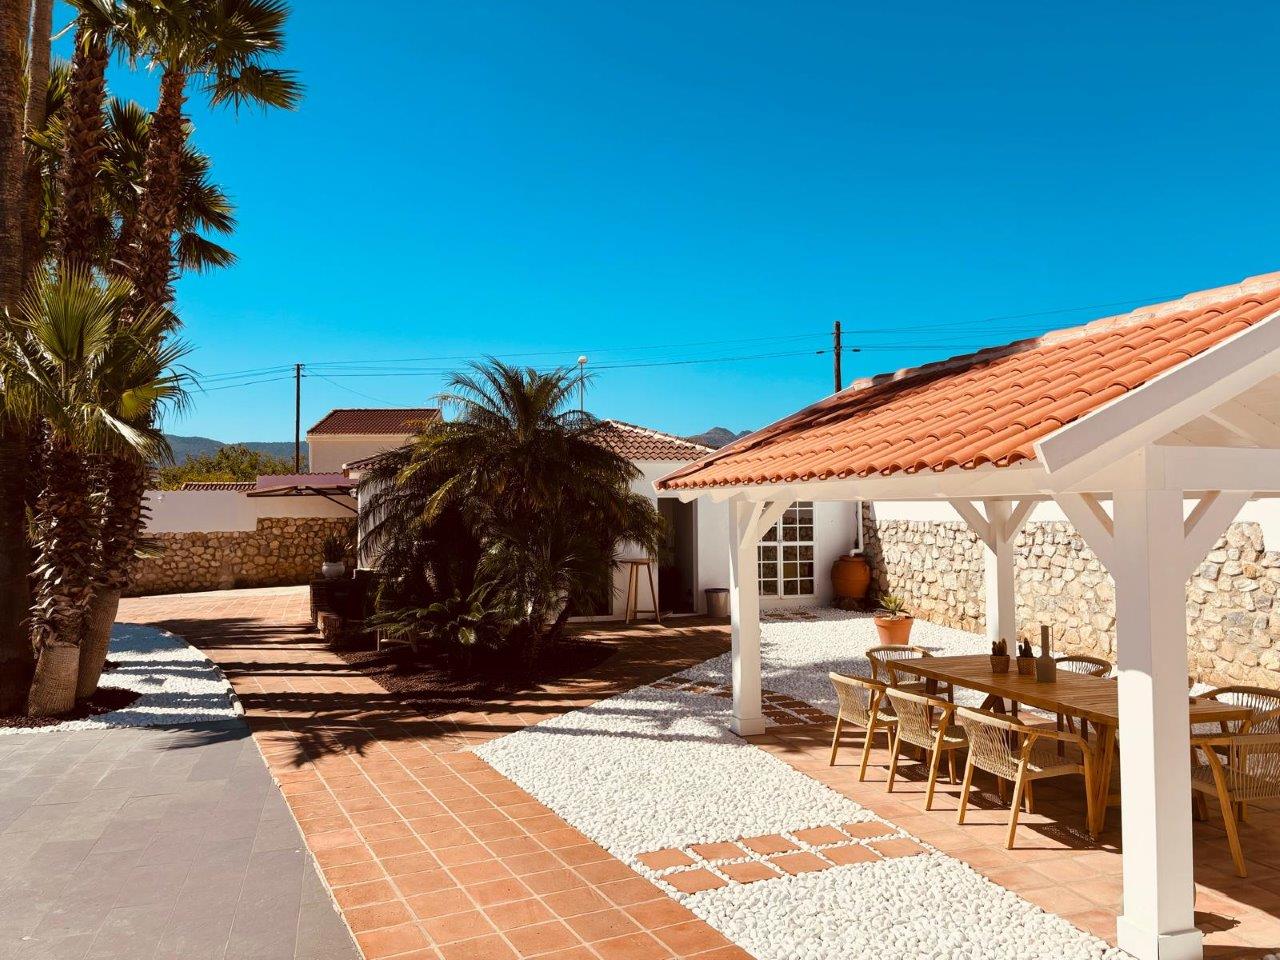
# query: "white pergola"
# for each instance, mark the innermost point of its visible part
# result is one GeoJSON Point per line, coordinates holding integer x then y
{"type": "Point", "coordinates": [1150, 480]}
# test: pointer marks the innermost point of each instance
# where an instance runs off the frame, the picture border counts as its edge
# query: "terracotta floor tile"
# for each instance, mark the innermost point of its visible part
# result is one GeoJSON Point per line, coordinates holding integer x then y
{"type": "Point", "coordinates": [457, 926]}
{"type": "Point", "coordinates": [520, 913]}
{"type": "Point", "coordinates": [580, 900]}
{"type": "Point", "coordinates": [440, 903]}
{"type": "Point", "coordinates": [456, 856]}
{"type": "Point", "coordinates": [573, 953]}
{"type": "Point", "coordinates": [363, 894]}
{"type": "Point", "coordinates": [353, 873]}
{"type": "Point", "coordinates": [498, 891]}
{"type": "Point", "coordinates": [626, 892]}
{"type": "Point", "coordinates": [542, 938]}
{"type": "Point", "coordinates": [862, 831]}
{"type": "Point", "coordinates": [553, 881]}
{"type": "Point", "coordinates": [413, 863]}
{"type": "Point", "coordinates": [769, 843]}
{"type": "Point", "coordinates": [604, 871]}
{"type": "Point", "coordinates": [583, 853]}
{"type": "Point", "coordinates": [538, 862]}
{"type": "Point", "coordinates": [603, 925]}
{"type": "Point", "coordinates": [718, 851]}
{"type": "Point", "coordinates": [391, 941]}
{"type": "Point", "coordinates": [483, 871]}
{"type": "Point", "coordinates": [849, 853]}
{"type": "Point", "coordinates": [748, 872]}
{"type": "Point", "coordinates": [425, 881]}
{"type": "Point", "coordinates": [374, 916]}
{"type": "Point", "coordinates": [662, 859]}
{"type": "Point", "coordinates": [658, 913]}
{"type": "Point", "coordinates": [817, 836]}
{"type": "Point", "coordinates": [898, 847]}
{"type": "Point", "coordinates": [398, 847]}
{"type": "Point", "coordinates": [480, 948]}
{"type": "Point", "coordinates": [694, 937]}
{"type": "Point", "coordinates": [694, 881]}
{"type": "Point", "coordinates": [798, 863]}
{"type": "Point", "coordinates": [636, 946]}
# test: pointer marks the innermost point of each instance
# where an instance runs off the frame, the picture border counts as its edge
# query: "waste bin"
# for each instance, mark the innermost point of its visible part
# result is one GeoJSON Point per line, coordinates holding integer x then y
{"type": "Point", "coordinates": [717, 602]}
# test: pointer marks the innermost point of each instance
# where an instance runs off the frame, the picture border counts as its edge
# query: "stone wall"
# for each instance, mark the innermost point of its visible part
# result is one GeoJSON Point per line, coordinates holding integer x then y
{"type": "Point", "coordinates": [1233, 633]}
{"type": "Point", "coordinates": [280, 552]}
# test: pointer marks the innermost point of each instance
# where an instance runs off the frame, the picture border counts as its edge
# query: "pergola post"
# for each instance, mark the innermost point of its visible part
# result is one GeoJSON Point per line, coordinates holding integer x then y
{"type": "Point", "coordinates": [744, 606]}
{"type": "Point", "coordinates": [997, 526]}
{"type": "Point", "coordinates": [1158, 921]}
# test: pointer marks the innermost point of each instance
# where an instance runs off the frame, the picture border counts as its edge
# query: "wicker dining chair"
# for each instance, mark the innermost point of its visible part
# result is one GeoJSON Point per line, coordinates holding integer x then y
{"type": "Point", "coordinates": [994, 751]}
{"type": "Point", "coordinates": [1089, 666]}
{"type": "Point", "coordinates": [1237, 768]}
{"type": "Point", "coordinates": [861, 703]}
{"type": "Point", "coordinates": [882, 660]}
{"type": "Point", "coordinates": [925, 722]}
{"type": "Point", "coordinates": [1264, 717]}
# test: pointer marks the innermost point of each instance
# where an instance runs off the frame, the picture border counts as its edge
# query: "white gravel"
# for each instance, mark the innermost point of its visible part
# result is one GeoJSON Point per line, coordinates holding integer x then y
{"type": "Point", "coordinates": [798, 650]}
{"type": "Point", "coordinates": [178, 684]}
{"type": "Point", "coordinates": [912, 907]}
{"type": "Point", "coordinates": [658, 768]}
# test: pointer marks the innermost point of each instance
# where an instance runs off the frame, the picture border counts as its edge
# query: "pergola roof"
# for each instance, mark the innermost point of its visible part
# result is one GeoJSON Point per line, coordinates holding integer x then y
{"type": "Point", "coordinates": [988, 409]}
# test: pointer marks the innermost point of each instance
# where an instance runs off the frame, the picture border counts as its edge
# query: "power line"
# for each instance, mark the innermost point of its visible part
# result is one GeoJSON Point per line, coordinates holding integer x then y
{"type": "Point", "coordinates": [342, 386]}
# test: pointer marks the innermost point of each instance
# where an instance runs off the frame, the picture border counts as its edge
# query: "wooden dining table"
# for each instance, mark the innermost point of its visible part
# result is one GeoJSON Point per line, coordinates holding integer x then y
{"type": "Point", "coordinates": [1094, 699]}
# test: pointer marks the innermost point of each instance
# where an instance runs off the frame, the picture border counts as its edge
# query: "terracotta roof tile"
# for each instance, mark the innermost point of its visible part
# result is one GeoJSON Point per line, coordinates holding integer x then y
{"type": "Point", "coordinates": [240, 485]}
{"type": "Point", "coordinates": [989, 407]}
{"type": "Point", "coordinates": [373, 420]}
{"type": "Point", "coordinates": [641, 443]}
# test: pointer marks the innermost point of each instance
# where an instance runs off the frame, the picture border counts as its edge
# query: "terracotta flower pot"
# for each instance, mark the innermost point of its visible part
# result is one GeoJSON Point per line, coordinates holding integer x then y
{"type": "Point", "coordinates": [850, 577]}
{"type": "Point", "coordinates": [894, 630]}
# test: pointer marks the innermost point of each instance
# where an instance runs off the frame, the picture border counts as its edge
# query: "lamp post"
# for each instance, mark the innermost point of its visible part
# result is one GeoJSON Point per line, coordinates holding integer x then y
{"type": "Point", "coordinates": [582, 384]}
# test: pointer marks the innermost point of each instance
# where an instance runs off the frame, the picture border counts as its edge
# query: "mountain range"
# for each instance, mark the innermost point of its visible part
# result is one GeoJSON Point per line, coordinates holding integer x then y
{"type": "Point", "coordinates": [184, 447]}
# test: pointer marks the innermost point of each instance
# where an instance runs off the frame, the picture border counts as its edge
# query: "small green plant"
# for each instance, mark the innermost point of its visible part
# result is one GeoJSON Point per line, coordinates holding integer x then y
{"type": "Point", "coordinates": [893, 606]}
{"type": "Point", "coordinates": [334, 549]}
{"type": "Point", "coordinates": [999, 648]}
{"type": "Point", "coordinates": [458, 625]}
{"type": "Point", "coordinates": [1024, 650]}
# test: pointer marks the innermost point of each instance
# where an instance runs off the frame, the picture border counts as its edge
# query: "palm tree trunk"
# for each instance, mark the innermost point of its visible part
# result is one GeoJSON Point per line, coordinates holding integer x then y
{"type": "Point", "coordinates": [123, 485]}
{"type": "Point", "coordinates": [15, 650]}
{"type": "Point", "coordinates": [151, 259]}
{"type": "Point", "coordinates": [37, 95]}
{"type": "Point", "coordinates": [80, 220]}
{"type": "Point", "coordinates": [66, 533]}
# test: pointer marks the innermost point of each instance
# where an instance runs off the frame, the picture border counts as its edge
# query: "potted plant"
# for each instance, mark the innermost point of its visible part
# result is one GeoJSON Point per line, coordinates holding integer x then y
{"type": "Point", "coordinates": [335, 563]}
{"type": "Point", "coordinates": [1026, 659]}
{"type": "Point", "coordinates": [893, 623]}
{"type": "Point", "coordinates": [999, 656]}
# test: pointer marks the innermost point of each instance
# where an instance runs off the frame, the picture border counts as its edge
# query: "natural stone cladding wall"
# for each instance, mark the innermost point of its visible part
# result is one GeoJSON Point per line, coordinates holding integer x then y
{"type": "Point", "coordinates": [280, 552]}
{"type": "Point", "coordinates": [1233, 635]}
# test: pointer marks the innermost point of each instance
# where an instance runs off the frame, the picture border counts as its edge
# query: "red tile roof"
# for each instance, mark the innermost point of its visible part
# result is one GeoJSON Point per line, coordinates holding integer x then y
{"type": "Point", "coordinates": [373, 420]}
{"type": "Point", "coordinates": [240, 485]}
{"type": "Point", "coordinates": [985, 408]}
{"type": "Point", "coordinates": [641, 443]}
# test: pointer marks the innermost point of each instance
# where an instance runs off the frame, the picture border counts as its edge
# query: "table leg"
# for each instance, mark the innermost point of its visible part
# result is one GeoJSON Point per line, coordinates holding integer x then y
{"type": "Point", "coordinates": [1106, 741]}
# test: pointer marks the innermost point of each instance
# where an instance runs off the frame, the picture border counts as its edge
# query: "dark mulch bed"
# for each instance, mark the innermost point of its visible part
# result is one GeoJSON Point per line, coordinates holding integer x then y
{"type": "Point", "coordinates": [105, 700]}
{"type": "Point", "coordinates": [434, 687]}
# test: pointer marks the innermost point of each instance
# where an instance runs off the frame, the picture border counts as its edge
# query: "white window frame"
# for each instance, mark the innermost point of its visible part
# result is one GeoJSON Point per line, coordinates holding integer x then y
{"type": "Point", "coordinates": [775, 542]}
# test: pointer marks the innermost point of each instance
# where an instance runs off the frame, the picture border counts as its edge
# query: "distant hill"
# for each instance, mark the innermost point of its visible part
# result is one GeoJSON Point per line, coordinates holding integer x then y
{"type": "Point", "coordinates": [717, 437]}
{"type": "Point", "coordinates": [184, 447]}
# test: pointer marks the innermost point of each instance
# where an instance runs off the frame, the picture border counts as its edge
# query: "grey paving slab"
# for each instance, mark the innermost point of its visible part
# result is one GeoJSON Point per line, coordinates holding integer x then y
{"type": "Point", "coordinates": [155, 844]}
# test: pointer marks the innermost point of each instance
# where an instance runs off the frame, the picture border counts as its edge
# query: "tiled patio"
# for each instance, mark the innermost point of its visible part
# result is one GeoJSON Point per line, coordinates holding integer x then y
{"type": "Point", "coordinates": [432, 853]}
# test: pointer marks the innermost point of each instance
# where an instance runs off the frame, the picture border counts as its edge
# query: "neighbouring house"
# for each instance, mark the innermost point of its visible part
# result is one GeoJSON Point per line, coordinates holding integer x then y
{"type": "Point", "coordinates": [795, 555]}
{"type": "Point", "coordinates": [349, 434]}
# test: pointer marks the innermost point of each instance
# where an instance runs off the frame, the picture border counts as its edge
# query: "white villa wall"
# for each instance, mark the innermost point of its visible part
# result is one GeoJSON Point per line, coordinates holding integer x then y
{"type": "Point", "coordinates": [211, 511]}
{"type": "Point", "coordinates": [326, 453]}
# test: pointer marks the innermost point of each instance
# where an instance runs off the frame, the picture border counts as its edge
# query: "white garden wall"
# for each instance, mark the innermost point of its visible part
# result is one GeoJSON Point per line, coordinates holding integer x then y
{"type": "Point", "coordinates": [210, 511]}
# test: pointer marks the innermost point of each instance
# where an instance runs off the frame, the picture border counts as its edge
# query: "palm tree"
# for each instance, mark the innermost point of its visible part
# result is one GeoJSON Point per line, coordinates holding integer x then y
{"type": "Point", "coordinates": [95, 385]}
{"type": "Point", "coordinates": [531, 480]}
{"type": "Point", "coordinates": [38, 66]}
{"type": "Point", "coordinates": [14, 655]}
{"type": "Point", "coordinates": [223, 44]}
{"type": "Point", "coordinates": [79, 216]}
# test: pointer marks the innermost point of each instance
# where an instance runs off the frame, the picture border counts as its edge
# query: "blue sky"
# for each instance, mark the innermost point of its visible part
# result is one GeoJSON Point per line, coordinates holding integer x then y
{"type": "Point", "coordinates": [632, 180]}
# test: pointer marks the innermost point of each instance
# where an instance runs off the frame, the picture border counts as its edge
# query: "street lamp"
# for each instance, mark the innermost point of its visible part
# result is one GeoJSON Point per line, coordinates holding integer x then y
{"type": "Point", "coordinates": [582, 384]}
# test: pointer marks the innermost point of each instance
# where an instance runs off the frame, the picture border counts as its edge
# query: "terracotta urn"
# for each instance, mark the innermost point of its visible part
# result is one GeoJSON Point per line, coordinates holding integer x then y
{"type": "Point", "coordinates": [850, 577]}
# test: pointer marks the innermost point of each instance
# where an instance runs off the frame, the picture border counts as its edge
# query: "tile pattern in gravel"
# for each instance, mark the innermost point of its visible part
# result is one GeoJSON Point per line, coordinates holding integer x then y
{"type": "Point", "coordinates": [701, 784]}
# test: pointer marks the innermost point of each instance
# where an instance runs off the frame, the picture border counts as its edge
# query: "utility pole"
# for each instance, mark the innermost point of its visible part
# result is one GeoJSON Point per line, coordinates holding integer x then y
{"type": "Point", "coordinates": [297, 418]}
{"type": "Point", "coordinates": [837, 349]}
